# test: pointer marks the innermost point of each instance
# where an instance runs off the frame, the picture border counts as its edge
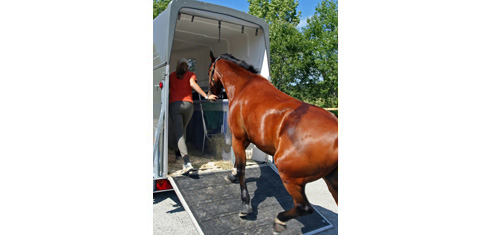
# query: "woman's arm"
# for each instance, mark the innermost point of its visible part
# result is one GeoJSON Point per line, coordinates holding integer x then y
{"type": "Point", "coordinates": [198, 89]}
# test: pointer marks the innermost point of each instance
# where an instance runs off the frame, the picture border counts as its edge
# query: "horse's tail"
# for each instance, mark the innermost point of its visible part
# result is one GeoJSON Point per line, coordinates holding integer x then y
{"type": "Point", "coordinates": [331, 180]}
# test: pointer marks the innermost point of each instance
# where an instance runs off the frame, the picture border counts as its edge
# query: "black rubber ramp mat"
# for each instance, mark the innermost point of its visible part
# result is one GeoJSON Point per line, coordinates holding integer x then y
{"type": "Point", "coordinates": [215, 203]}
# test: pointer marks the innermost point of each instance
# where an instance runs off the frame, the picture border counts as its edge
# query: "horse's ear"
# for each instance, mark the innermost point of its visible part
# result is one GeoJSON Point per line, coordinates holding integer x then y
{"type": "Point", "coordinates": [212, 58]}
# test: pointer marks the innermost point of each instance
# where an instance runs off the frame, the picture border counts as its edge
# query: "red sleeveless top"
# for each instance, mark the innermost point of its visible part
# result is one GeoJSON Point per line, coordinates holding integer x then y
{"type": "Point", "coordinates": [180, 89]}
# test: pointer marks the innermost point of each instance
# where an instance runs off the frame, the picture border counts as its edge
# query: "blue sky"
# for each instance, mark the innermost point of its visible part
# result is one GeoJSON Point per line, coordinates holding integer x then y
{"type": "Point", "coordinates": [306, 7]}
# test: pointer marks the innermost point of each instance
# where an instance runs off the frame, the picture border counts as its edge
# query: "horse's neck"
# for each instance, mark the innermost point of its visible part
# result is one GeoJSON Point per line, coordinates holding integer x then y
{"type": "Point", "coordinates": [234, 79]}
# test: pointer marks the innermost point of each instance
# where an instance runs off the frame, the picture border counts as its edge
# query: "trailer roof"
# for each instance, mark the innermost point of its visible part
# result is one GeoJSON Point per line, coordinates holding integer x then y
{"type": "Point", "coordinates": [165, 23]}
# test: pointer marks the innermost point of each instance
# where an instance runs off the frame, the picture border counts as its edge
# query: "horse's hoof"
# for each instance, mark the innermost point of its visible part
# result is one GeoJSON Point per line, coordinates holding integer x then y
{"type": "Point", "coordinates": [245, 211]}
{"type": "Point", "coordinates": [231, 178]}
{"type": "Point", "coordinates": [278, 228]}
{"type": "Point", "coordinates": [242, 214]}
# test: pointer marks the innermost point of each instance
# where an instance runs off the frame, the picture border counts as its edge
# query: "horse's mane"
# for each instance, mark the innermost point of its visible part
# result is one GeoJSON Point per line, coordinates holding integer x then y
{"type": "Point", "coordinates": [241, 63]}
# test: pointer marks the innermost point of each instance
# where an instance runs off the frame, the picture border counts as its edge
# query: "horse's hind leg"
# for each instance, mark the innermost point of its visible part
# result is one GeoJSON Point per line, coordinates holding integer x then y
{"type": "Point", "coordinates": [332, 182]}
{"type": "Point", "coordinates": [301, 206]}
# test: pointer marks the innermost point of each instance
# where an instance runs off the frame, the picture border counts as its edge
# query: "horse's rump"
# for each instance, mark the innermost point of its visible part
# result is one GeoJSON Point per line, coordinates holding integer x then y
{"type": "Point", "coordinates": [308, 139]}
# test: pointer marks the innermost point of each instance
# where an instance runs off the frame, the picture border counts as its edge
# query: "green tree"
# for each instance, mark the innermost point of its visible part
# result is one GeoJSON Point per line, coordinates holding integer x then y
{"type": "Point", "coordinates": [160, 6]}
{"type": "Point", "coordinates": [285, 40]}
{"type": "Point", "coordinates": [304, 63]}
{"type": "Point", "coordinates": [321, 55]}
{"type": "Point", "coordinates": [275, 10]}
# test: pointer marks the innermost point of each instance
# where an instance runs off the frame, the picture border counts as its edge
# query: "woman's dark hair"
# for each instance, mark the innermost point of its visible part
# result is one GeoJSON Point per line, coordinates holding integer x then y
{"type": "Point", "coordinates": [181, 70]}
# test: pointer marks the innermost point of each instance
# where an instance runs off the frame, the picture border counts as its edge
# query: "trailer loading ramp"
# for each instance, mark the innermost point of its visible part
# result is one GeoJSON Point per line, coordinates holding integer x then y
{"type": "Point", "coordinates": [213, 203]}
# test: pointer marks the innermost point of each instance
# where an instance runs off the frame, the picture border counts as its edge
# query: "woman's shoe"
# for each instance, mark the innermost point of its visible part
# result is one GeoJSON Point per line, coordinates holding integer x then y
{"type": "Point", "coordinates": [187, 168]}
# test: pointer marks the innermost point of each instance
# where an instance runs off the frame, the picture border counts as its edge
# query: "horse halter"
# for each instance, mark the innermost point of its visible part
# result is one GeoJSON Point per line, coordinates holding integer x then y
{"type": "Point", "coordinates": [211, 78]}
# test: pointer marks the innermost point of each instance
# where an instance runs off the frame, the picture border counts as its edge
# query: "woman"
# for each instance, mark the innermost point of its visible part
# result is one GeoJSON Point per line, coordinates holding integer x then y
{"type": "Point", "coordinates": [181, 105]}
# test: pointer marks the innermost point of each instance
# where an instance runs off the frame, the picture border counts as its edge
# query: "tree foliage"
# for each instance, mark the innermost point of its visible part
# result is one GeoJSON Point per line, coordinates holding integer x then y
{"type": "Point", "coordinates": [275, 10]}
{"type": "Point", "coordinates": [285, 39]}
{"type": "Point", "coordinates": [304, 63]}
{"type": "Point", "coordinates": [160, 6]}
{"type": "Point", "coordinates": [321, 54]}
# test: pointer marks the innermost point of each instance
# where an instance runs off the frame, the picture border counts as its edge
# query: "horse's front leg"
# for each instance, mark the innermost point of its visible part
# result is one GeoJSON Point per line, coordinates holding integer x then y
{"type": "Point", "coordinates": [239, 147]}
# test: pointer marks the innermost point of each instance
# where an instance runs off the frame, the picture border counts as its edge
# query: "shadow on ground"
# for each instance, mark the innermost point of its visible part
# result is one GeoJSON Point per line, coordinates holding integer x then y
{"type": "Point", "coordinates": [159, 197]}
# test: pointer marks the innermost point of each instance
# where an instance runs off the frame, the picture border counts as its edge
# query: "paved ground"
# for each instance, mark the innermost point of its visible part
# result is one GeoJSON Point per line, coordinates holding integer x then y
{"type": "Point", "coordinates": [171, 218]}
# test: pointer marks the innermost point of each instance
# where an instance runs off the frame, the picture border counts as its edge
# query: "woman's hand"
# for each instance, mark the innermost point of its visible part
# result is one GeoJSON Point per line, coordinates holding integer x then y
{"type": "Point", "coordinates": [197, 88]}
{"type": "Point", "coordinates": [212, 98]}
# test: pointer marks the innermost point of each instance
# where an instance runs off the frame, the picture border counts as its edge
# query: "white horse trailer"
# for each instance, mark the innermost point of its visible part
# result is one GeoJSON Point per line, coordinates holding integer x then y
{"type": "Point", "coordinates": [191, 29]}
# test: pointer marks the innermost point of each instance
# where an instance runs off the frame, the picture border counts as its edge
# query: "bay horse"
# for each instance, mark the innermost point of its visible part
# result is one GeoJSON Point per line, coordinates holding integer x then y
{"type": "Point", "coordinates": [302, 138]}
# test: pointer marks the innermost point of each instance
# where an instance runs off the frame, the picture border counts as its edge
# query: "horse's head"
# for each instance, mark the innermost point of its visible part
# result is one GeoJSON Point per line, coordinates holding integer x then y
{"type": "Point", "coordinates": [213, 76]}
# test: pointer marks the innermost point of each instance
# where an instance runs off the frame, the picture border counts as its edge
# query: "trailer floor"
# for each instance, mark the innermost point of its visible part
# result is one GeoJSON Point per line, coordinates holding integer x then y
{"type": "Point", "coordinates": [215, 203]}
